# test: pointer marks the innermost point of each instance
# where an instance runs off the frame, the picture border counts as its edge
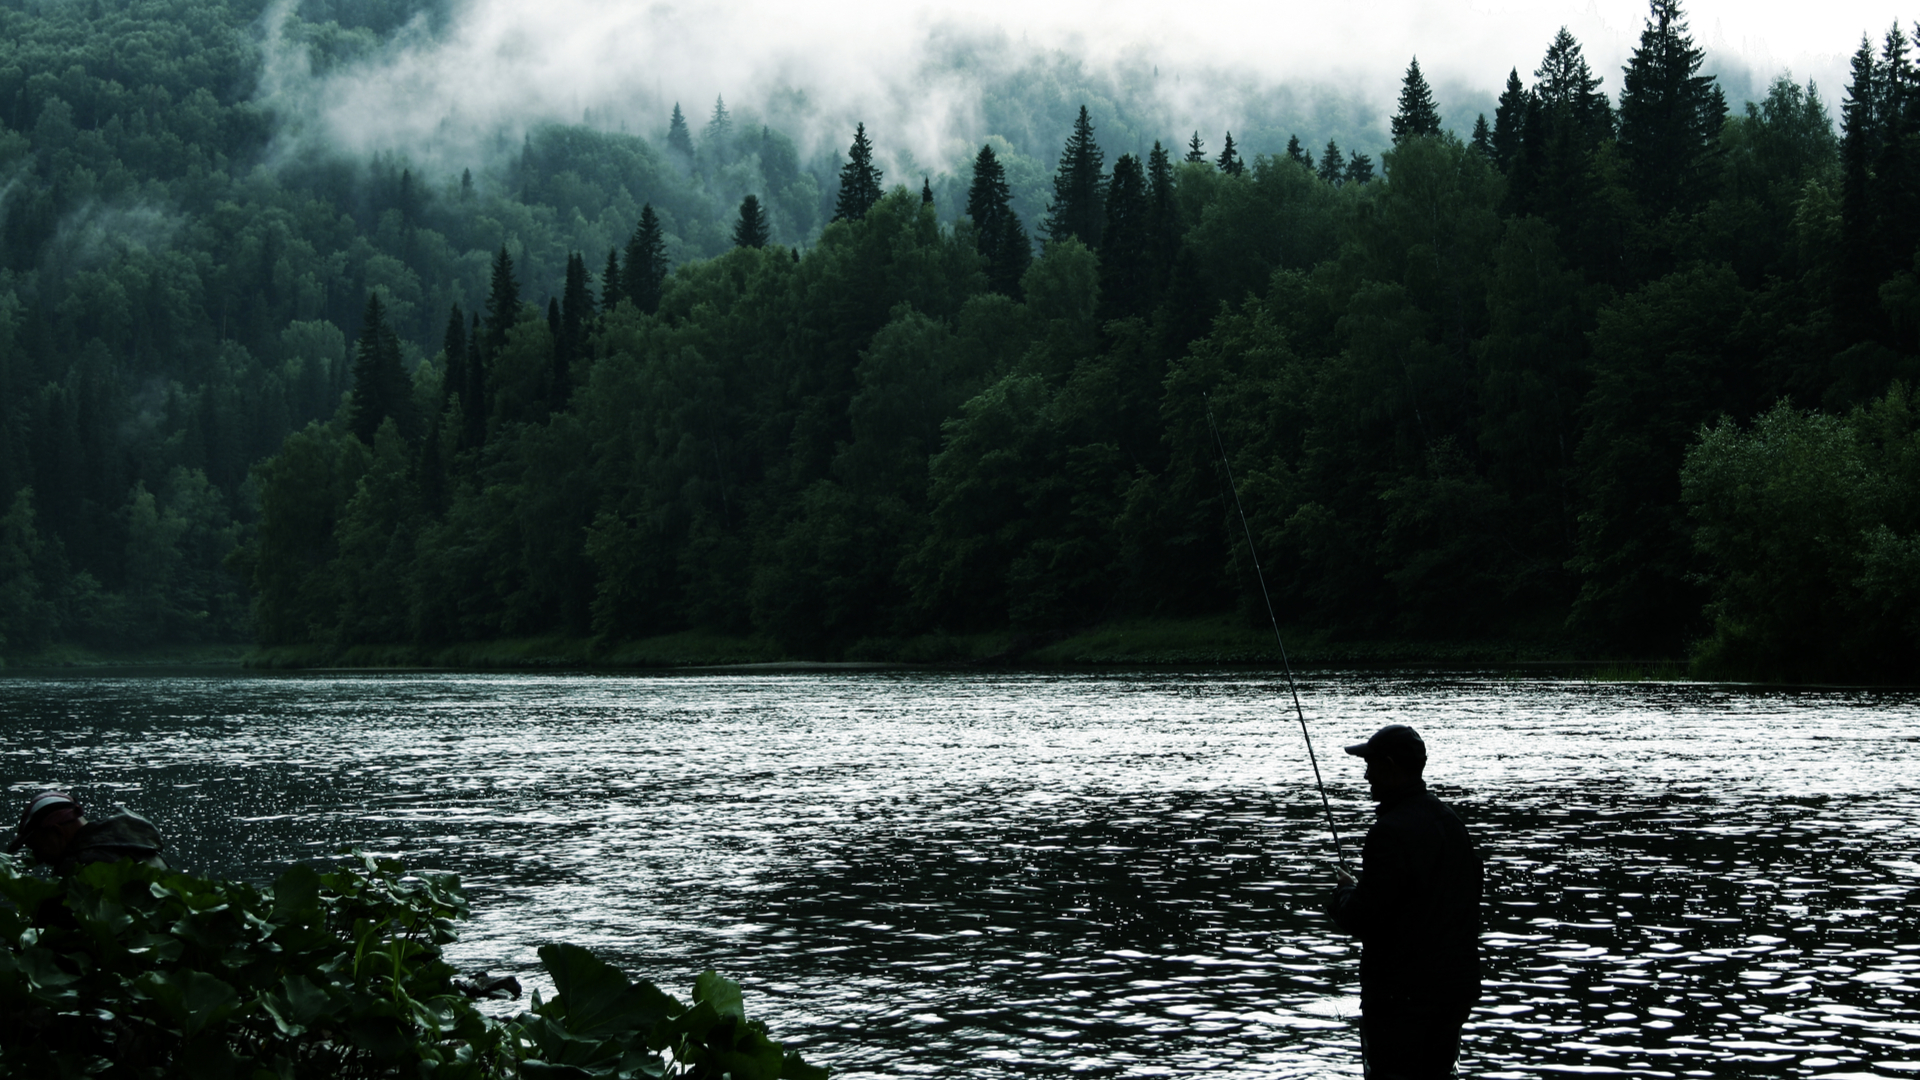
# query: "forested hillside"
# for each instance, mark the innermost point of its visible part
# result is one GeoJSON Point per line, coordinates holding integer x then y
{"type": "Point", "coordinates": [1629, 367]}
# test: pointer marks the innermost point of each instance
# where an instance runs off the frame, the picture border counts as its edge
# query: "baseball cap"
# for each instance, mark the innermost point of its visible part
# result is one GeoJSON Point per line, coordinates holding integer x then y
{"type": "Point", "coordinates": [1396, 741]}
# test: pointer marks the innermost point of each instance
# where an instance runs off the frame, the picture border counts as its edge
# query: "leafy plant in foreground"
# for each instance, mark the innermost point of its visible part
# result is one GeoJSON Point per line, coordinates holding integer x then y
{"type": "Point", "coordinates": [128, 971]}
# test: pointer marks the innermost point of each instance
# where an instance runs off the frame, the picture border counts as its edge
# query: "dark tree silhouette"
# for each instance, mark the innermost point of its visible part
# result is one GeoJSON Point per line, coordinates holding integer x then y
{"type": "Point", "coordinates": [1509, 121]}
{"type": "Point", "coordinates": [1229, 161]}
{"type": "Point", "coordinates": [1296, 153]}
{"type": "Point", "coordinates": [1332, 165]}
{"type": "Point", "coordinates": [1359, 168]}
{"type": "Point", "coordinates": [1482, 139]}
{"type": "Point", "coordinates": [1196, 150]}
{"type": "Point", "coordinates": [679, 139]}
{"type": "Point", "coordinates": [998, 234]}
{"type": "Point", "coordinates": [646, 269]}
{"type": "Point", "coordinates": [859, 180]}
{"type": "Point", "coordinates": [1669, 116]}
{"type": "Point", "coordinates": [1078, 209]}
{"type": "Point", "coordinates": [751, 229]}
{"type": "Point", "coordinates": [380, 385]}
{"type": "Point", "coordinates": [1418, 115]}
{"type": "Point", "coordinates": [612, 289]}
{"type": "Point", "coordinates": [503, 304]}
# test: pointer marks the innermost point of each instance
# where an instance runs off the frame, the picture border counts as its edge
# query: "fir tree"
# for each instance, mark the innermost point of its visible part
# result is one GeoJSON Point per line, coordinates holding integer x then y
{"type": "Point", "coordinates": [1230, 162]}
{"type": "Point", "coordinates": [1856, 305]}
{"type": "Point", "coordinates": [576, 319]}
{"type": "Point", "coordinates": [1332, 165]}
{"type": "Point", "coordinates": [1418, 115]}
{"type": "Point", "coordinates": [381, 388]}
{"type": "Point", "coordinates": [474, 407]}
{"type": "Point", "coordinates": [503, 304]}
{"type": "Point", "coordinates": [679, 139]}
{"type": "Point", "coordinates": [1509, 120]}
{"type": "Point", "coordinates": [1359, 168]}
{"type": "Point", "coordinates": [997, 232]}
{"type": "Point", "coordinates": [752, 230]}
{"type": "Point", "coordinates": [1079, 188]}
{"type": "Point", "coordinates": [1482, 140]}
{"type": "Point", "coordinates": [1163, 220]}
{"type": "Point", "coordinates": [1196, 150]}
{"type": "Point", "coordinates": [1296, 153]}
{"type": "Point", "coordinates": [612, 289]}
{"type": "Point", "coordinates": [1668, 116]}
{"type": "Point", "coordinates": [1570, 91]}
{"type": "Point", "coordinates": [646, 268]}
{"type": "Point", "coordinates": [926, 191]}
{"type": "Point", "coordinates": [1124, 261]}
{"type": "Point", "coordinates": [859, 180]}
{"type": "Point", "coordinates": [453, 346]}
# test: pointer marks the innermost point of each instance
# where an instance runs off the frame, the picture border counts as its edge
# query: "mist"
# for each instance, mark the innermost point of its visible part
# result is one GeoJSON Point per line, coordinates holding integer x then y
{"type": "Point", "coordinates": [933, 81]}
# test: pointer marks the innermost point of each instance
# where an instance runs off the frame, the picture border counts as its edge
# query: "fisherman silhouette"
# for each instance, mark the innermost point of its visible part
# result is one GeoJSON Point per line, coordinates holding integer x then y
{"type": "Point", "coordinates": [1416, 909]}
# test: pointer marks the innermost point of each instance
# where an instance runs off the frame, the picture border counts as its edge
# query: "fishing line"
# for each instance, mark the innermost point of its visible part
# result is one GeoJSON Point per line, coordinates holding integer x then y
{"type": "Point", "coordinates": [1278, 640]}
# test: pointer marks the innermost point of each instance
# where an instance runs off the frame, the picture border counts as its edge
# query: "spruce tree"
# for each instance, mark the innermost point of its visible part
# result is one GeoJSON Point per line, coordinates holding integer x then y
{"type": "Point", "coordinates": [997, 233]}
{"type": "Point", "coordinates": [576, 320]}
{"type": "Point", "coordinates": [1296, 153]}
{"type": "Point", "coordinates": [474, 407]}
{"type": "Point", "coordinates": [1196, 150]}
{"type": "Point", "coordinates": [926, 191]}
{"type": "Point", "coordinates": [1509, 118]}
{"type": "Point", "coordinates": [1482, 140]}
{"type": "Point", "coordinates": [1359, 168]}
{"type": "Point", "coordinates": [1230, 162]}
{"type": "Point", "coordinates": [1126, 241]}
{"type": "Point", "coordinates": [752, 230]}
{"type": "Point", "coordinates": [453, 346]}
{"type": "Point", "coordinates": [1417, 116]}
{"type": "Point", "coordinates": [859, 180]}
{"type": "Point", "coordinates": [1332, 165]}
{"type": "Point", "coordinates": [679, 139]}
{"type": "Point", "coordinates": [1079, 188]}
{"type": "Point", "coordinates": [1570, 91]}
{"type": "Point", "coordinates": [612, 289]}
{"type": "Point", "coordinates": [1896, 173]}
{"type": "Point", "coordinates": [381, 388]}
{"type": "Point", "coordinates": [1163, 220]}
{"type": "Point", "coordinates": [1668, 118]}
{"type": "Point", "coordinates": [503, 305]}
{"type": "Point", "coordinates": [646, 268]}
{"type": "Point", "coordinates": [1857, 278]}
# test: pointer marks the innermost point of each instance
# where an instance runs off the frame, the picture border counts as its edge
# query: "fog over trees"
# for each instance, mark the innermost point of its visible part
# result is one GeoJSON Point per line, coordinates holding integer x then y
{"type": "Point", "coordinates": [1622, 361]}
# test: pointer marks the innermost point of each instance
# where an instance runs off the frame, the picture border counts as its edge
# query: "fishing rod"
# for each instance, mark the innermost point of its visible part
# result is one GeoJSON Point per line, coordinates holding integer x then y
{"type": "Point", "coordinates": [1286, 664]}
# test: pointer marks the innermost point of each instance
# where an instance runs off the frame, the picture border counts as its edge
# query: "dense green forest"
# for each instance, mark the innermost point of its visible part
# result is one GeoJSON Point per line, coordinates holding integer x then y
{"type": "Point", "coordinates": [1630, 371]}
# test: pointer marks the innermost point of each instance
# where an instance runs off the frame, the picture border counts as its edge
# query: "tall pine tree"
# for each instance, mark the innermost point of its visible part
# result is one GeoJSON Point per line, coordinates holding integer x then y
{"type": "Point", "coordinates": [576, 321]}
{"type": "Point", "coordinates": [1079, 207]}
{"type": "Point", "coordinates": [1509, 122]}
{"type": "Point", "coordinates": [1857, 281]}
{"type": "Point", "coordinates": [1125, 266]}
{"type": "Point", "coordinates": [997, 232]}
{"type": "Point", "coordinates": [503, 305]}
{"type": "Point", "coordinates": [1297, 153]}
{"type": "Point", "coordinates": [1670, 116]}
{"type": "Point", "coordinates": [381, 388]}
{"type": "Point", "coordinates": [1196, 150]}
{"type": "Point", "coordinates": [453, 346]}
{"type": "Point", "coordinates": [1229, 162]}
{"type": "Point", "coordinates": [751, 229]}
{"type": "Point", "coordinates": [646, 269]}
{"type": "Point", "coordinates": [859, 180]}
{"type": "Point", "coordinates": [1332, 165]}
{"type": "Point", "coordinates": [612, 289]}
{"type": "Point", "coordinates": [1418, 115]}
{"type": "Point", "coordinates": [679, 139]}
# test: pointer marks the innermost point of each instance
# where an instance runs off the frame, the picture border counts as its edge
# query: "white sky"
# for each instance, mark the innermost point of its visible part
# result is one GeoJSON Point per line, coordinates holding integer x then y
{"type": "Point", "coordinates": [509, 61]}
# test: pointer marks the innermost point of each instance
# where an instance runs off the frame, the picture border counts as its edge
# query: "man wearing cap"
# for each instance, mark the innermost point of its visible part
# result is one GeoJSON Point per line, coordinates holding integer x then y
{"type": "Point", "coordinates": [60, 836]}
{"type": "Point", "coordinates": [1416, 909]}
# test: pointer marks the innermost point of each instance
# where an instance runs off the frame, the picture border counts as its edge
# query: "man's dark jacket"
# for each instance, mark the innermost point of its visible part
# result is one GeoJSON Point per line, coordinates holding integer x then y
{"type": "Point", "coordinates": [1416, 909]}
{"type": "Point", "coordinates": [124, 835]}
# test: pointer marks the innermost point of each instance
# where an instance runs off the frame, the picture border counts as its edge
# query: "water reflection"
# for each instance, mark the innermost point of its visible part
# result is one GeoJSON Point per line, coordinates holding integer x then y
{"type": "Point", "coordinates": [1110, 876]}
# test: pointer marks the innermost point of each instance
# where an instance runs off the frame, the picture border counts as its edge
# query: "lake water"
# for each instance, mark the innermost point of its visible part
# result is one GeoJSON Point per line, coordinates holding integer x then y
{"type": "Point", "coordinates": [997, 875]}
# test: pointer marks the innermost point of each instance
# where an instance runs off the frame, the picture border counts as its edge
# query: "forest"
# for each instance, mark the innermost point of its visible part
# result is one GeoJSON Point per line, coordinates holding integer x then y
{"type": "Point", "coordinates": [1632, 372]}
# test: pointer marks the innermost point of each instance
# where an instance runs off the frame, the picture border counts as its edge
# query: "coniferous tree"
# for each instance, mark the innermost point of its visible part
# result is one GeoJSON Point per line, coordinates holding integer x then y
{"type": "Point", "coordinates": [1126, 238]}
{"type": "Point", "coordinates": [1417, 115]}
{"type": "Point", "coordinates": [1359, 168]}
{"type": "Point", "coordinates": [553, 321]}
{"type": "Point", "coordinates": [1295, 152]}
{"type": "Point", "coordinates": [1669, 116]}
{"type": "Point", "coordinates": [453, 345]}
{"type": "Point", "coordinates": [926, 191]}
{"type": "Point", "coordinates": [646, 269]}
{"type": "Point", "coordinates": [1482, 140]}
{"type": "Point", "coordinates": [1163, 219]}
{"type": "Point", "coordinates": [503, 305]}
{"type": "Point", "coordinates": [1230, 162]}
{"type": "Point", "coordinates": [1509, 121]}
{"type": "Point", "coordinates": [576, 318]}
{"type": "Point", "coordinates": [1196, 150]}
{"type": "Point", "coordinates": [1332, 165]}
{"type": "Point", "coordinates": [679, 139]}
{"type": "Point", "coordinates": [1078, 209]}
{"type": "Point", "coordinates": [611, 287]}
{"type": "Point", "coordinates": [381, 388]}
{"type": "Point", "coordinates": [1858, 279]}
{"type": "Point", "coordinates": [859, 180]}
{"type": "Point", "coordinates": [1569, 89]}
{"type": "Point", "coordinates": [997, 232]}
{"type": "Point", "coordinates": [751, 229]}
{"type": "Point", "coordinates": [718, 136]}
{"type": "Point", "coordinates": [474, 407]}
{"type": "Point", "coordinates": [1896, 173]}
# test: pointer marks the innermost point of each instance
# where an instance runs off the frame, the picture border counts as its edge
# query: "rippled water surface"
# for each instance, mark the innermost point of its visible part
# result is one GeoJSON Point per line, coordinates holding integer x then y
{"type": "Point", "coordinates": [1101, 875]}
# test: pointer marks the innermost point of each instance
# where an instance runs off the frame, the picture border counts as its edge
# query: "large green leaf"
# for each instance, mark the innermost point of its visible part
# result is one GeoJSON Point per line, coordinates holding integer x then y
{"type": "Point", "coordinates": [595, 997]}
{"type": "Point", "coordinates": [722, 993]}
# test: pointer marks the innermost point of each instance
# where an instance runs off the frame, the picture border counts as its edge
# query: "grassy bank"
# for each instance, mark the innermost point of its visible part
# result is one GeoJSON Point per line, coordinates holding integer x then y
{"type": "Point", "coordinates": [1219, 641]}
{"type": "Point", "coordinates": [81, 656]}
